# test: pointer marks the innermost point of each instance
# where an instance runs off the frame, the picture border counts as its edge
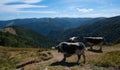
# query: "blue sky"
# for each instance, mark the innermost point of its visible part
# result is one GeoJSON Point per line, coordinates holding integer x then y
{"type": "Point", "coordinates": [14, 9]}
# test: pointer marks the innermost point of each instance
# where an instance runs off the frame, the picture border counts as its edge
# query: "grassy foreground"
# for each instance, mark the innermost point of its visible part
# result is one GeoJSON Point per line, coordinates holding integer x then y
{"type": "Point", "coordinates": [12, 57]}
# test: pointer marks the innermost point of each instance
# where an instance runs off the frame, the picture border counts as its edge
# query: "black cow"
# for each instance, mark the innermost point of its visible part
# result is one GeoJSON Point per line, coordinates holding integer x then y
{"type": "Point", "coordinates": [68, 49]}
{"type": "Point", "coordinates": [91, 41]}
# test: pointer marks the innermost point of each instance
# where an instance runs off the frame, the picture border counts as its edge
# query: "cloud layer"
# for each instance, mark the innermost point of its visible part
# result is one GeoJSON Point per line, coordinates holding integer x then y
{"type": "Point", "coordinates": [11, 9]}
{"type": "Point", "coordinates": [84, 10]}
{"type": "Point", "coordinates": [5, 7]}
{"type": "Point", "coordinates": [24, 1]}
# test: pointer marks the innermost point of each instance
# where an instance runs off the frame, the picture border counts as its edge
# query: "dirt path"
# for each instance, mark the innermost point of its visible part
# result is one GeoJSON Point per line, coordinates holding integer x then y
{"type": "Point", "coordinates": [56, 57]}
{"type": "Point", "coordinates": [55, 64]}
{"type": "Point", "coordinates": [55, 61]}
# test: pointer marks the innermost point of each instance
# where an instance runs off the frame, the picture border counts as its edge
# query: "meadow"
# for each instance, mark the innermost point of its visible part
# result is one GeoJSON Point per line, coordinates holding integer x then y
{"type": "Point", "coordinates": [48, 59]}
{"type": "Point", "coordinates": [12, 58]}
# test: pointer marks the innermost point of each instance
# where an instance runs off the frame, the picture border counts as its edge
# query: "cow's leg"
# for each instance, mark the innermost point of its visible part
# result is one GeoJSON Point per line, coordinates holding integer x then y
{"type": "Point", "coordinates": [100, 48]}
{"type": "Point", "coordinates": [84, 57]}
{"type": "Point", "coordinates": [91, 47]}
{"type": "Point", "coordinates": [79, 56]}
{"type": "Point", "coordinates": [64, 59]}
{"type": "Point", "coordinates": [101, 44]}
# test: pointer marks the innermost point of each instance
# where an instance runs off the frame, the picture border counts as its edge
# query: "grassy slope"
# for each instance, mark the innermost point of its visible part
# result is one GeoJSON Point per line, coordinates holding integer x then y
{"type": "Point", "coordinates": [21, 37]}
{"type": "Point", "coordinates": [10, 58]}
{"type": "Point", "coordinates": [95, 61]}
{"type": "Point", "coordinates": [108, 60]}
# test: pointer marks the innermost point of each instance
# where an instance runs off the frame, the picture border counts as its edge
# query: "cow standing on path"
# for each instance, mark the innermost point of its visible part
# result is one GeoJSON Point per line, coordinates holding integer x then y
{"type": "Point", "coordinates": [68, 49]}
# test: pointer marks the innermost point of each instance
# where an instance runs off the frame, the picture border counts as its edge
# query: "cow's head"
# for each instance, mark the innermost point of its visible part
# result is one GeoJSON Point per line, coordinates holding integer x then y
{"type": "Point", "coordinates": [60, 46]}
{"type": "Point", "coordinates": [73, 39]}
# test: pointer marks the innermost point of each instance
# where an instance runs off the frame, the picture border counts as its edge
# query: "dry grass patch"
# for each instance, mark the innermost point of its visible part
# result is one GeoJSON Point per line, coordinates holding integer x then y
{"type": "Point", "coordinates": [110, 59]}
{"type": "Point", "coordinates": [10, 58]}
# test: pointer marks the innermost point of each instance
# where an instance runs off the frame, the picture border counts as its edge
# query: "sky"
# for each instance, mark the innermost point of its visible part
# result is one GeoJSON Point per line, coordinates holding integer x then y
{"type": "Point", "coordinates": [15, 9]}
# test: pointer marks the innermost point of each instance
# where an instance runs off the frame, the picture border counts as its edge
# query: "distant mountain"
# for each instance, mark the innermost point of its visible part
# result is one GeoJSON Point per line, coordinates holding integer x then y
{"type": "Point", "coordinates": [60, 29]}
{"type": "Point", "coordinates": [74, 23]}
{"type": "Point", "coordinates": [16, 36]}
{"type": "Point", "coordinates": [16, 22]}
{"type": "Point", "coordinates": [48, 26]}
{"type": "Point", "coordinates": [109, 28]}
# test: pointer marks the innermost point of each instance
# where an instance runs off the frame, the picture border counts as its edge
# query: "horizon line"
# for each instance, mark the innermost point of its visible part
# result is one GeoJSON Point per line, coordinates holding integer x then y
{"type": "Point", "coordinates": [55, 17]}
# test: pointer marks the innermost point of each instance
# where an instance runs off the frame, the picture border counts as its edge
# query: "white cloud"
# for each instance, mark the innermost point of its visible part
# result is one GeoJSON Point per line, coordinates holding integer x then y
{"type": "Point", "coordinates": [18, 8]}
{"type": "Point", "coordinates": [7, 1]}
{"type": "Point", "coordinates": [41, 12]}
{"type": "Point", "coordinates": [86, 1]}
{"type": "Point", "coordinates": [14, 8]}
{"type": "Point", "coordinates": [24, 1]}
{"type": "Point", "coordinates": [31, 1]}
{"type": "Point", "coordinates": [84, 10]}
{"type": "Point", "coordinates": [101, 15]}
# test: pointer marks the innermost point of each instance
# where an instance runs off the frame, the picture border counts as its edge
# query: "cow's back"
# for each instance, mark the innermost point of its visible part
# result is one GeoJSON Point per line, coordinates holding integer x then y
{"type": "Point", "coordinates": [94, 40]}
{"type": "Point", "coordinates": [71, 48]}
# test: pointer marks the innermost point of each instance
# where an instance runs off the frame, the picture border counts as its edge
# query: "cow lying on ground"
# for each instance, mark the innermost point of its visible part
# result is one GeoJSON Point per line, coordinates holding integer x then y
{"type": "Point", "coordinates": [91, 41]}
{"type": "Point", "coordinates": [69, 49]}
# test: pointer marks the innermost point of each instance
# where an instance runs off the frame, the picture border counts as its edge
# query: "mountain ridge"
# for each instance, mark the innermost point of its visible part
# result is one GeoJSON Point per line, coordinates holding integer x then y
{"type": "Point", "coordinates": [46, 25]}
{"type": "Point", "coordinates": [108, 28]}
{"type": "Point", "coordinates": [61, 29]}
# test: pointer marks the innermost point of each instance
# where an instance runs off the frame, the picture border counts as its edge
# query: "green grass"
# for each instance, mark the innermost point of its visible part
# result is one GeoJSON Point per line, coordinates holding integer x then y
{"type": "Point", "coordinates": [6, 63]}
{"type": "Point", "coordinates": [110, 59]}
{"type": "Point", "coordinates": [12, 57]}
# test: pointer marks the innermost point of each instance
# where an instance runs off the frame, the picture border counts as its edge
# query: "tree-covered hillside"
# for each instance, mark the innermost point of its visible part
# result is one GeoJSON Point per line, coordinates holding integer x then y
{"type": "Point", "coordinates": [60, 29]}
{"type": "Point", "coordinates": [23, 37]}
{"type": "Point", "coordinates": [47, 26]}
{"type": "Point", "coordinates": [108, 28]}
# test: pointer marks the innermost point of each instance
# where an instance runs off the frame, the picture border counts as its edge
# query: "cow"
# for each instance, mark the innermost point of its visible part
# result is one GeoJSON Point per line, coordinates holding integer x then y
{"type": "Point", "coordinates": [68, 49]}
{"type": "Point", "coordinates": [91, 41]}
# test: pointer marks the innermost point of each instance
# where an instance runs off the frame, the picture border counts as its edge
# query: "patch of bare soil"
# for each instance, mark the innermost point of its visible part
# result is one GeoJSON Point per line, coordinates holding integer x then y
{"type": "Point", "coordinates": [32, 64]}
{"type": "Point", "coordinates": [56, 64]}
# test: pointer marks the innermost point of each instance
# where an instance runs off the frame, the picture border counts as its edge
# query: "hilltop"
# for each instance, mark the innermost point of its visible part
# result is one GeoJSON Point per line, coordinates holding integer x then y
{"type": "Point", "coordinates": [16, 36]}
